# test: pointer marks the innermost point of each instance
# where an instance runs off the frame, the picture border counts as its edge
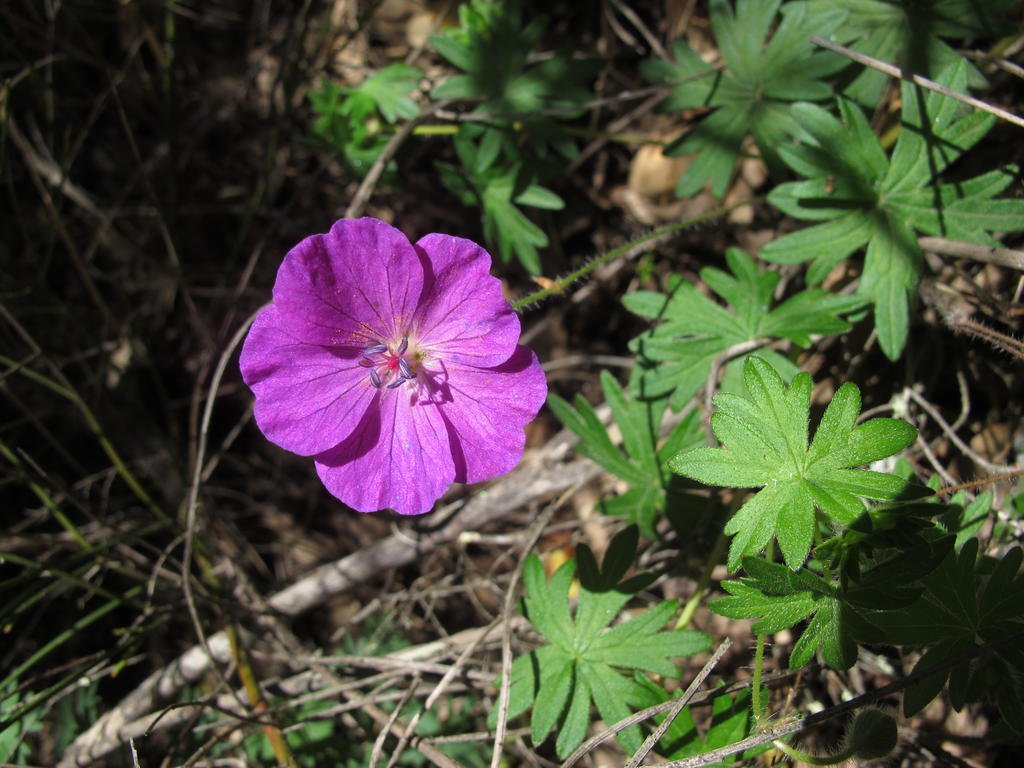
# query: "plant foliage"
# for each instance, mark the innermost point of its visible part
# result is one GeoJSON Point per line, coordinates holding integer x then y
{"type": "Point", "coordinates": [676, 356]}
{"type": "Point", "coordinates": [585, 658]}
{"type": "Point", "coordinates": [519, 142]}
{"type": "Point", "coordinates": [644, 465]}
{"type": "Point", "coordinates": [500, 188]}
{"type": "Point", "coordinates": [765, 445]}
{"type": "Point", "coordinates": [349, 120]}
{"type": "Point", "coordinates": [911, 34]}
{"type": "Point", "coordinates": [968, 601]}
{"type": "Point", "coordinates": [749, 95]}
{"type": "Point", "coordinates": [865, 198]}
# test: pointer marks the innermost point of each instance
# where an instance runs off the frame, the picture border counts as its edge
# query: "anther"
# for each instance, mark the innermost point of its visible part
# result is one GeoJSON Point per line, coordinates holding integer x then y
{"type": "Point", "coordinates": [404, 368]}
{"type": "Point", "coordinates": [396, 383]}
{"type": "Point", "coordinates": [403, 346]}
{"type": "Point", "coordinates": [375, 378]}
{"type": "Point", "coordinates": [376, 349]}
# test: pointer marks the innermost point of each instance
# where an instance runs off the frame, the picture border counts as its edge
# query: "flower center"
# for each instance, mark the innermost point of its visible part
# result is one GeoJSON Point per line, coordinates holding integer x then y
{"type": "Point", "coordinates": [389, 365]}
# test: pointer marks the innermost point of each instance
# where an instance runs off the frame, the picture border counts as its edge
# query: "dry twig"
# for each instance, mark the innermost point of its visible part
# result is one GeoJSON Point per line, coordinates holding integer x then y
{"type": "Point", "coordinates": [924, 82]}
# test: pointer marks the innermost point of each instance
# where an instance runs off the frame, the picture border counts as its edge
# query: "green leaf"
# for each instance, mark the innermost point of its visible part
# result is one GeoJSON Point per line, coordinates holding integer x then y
{"type": "Point", "coordinates": [574, 726]}
{"type": "Point", "coordinates": [508, 226]}
{"type": "Point", "coordinates": [774, 612]}
{"type": "Point", "coordinates": [911, 35]}
{"type": "Point", "coordinates": [548, 608]}
{"type": "Point", "coordinates": [827, 632]}
{"type": "Point", "coordinates": [13, 746]}
{"type": "Point", "coordinates": [676, 356]}
{"type": "Point", "coordinates": [508, 159]}
{"type": "Point", "coordinates": [551, 699]}
{"type": "Point", "coordinates": [594, 440]}
{"type": "Point", "coordinates": [890, 278]}
{"type": "Point", "coordinates": [750, 94]}
{"type": "Point", "coordinates": [643, 466]}
{"type": "Point", "coordinates": [764, 440]}
{"type": "Point", "coordinates": [780, 598]}
{"type": "Point", "coordinates": [968, 601]}
{"type": "Point", "coordinates": [966, 521]}
{"type": "Point", "coordinates": [389, 89]}
{"type": "Point", "coordinates": [491, 47]}
{"type": "Point", "coordinates": [585, 659]}
{"type": "Point", "coordinates": [863, 198]}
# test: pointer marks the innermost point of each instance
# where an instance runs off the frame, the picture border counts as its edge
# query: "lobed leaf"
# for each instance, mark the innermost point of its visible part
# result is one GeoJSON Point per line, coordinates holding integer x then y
{"type": "Point", "coordinates": [676, 356]}
{"type": "Point", "coordinates": [864, 198]}
{"type": "Point", "coordinates": [764, 437]}
{"type": "Point", "coordinates": [584, 660]}
{"type": "Point", "coordinates": [749, 95]}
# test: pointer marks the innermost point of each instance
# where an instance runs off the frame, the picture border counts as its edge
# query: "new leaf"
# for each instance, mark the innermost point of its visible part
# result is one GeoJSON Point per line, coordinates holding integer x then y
{"type": "Point", "coordinates": [764, 441]}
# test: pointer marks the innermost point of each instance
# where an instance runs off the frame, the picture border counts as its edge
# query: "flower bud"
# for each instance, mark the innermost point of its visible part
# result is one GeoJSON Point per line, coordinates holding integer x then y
{"type": "Point", "coordinates": [872, 734]}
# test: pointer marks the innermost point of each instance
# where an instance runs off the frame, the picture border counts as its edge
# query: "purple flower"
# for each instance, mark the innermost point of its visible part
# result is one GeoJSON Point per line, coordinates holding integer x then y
{"type": "Point", "coordinates": [397, 366]}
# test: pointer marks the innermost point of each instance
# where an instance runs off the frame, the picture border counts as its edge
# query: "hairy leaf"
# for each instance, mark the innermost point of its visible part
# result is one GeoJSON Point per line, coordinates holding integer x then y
{"type": "Point", "coordinates": [764, 440]}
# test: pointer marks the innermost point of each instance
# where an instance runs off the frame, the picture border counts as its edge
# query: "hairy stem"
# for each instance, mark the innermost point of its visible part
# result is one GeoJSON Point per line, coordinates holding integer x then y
{"type": "Point", "coordinates": [559, 285]}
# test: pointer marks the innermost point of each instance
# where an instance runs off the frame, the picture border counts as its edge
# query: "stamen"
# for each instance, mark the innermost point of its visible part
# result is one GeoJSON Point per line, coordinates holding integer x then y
{"type": "Point", "coordinates": [387, 367]}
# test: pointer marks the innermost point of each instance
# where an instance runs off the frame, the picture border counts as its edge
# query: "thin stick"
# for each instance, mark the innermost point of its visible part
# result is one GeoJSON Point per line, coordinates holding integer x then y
{"type": "Point", "coordinates": [272, 732]}
{"type": "Point", "coordinates": [965, 449]}
{"type": "Point", "coordinates": [539, 476]}
{"type": "Point", "coordinates": [506, 638]}
{"type": "Point", "coordinates": [666, 706]}
{"type": "Point", "coordinates": [656, 47]}
{"type": "Point", "coordinates": [197, 470]}
{"type": "Point", "coordinates": [645, 241]}
{"type": "Point", "coordinates": [681, 703]}
{"type": "Point", "coordinates": [1003, 257]}
{"type": "Point", "coordinates": [378, 744]}
{"type": "Point", "coordinates": [439, 689]}
{"type": "Point", "coordinates": [924, 82]}
{"type": "Point", "coordinates": [369, 182]}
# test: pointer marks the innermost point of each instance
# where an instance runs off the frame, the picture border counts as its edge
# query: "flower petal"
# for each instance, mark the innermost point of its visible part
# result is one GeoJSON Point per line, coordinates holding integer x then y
{"type": "Point", "coordinates": [308, 397]}
{"type": "Point", "coordinates": [463, 317]}
{"type": "Point", "coordinates": [488, 411]}
{"type": "Point", "coordinates": [355, 286]}
{"type": "Point", "coordinates": [398, 457]}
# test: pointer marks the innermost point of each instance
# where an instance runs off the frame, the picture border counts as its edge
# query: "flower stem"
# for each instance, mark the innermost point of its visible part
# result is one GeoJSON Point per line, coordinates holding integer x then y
{"type": "Point", "coordinates": [451, 129]}
{"type": "Point", "coordinates": [796, 754]}
{"type": "Point", "coordinates": [559, 285]}
{"type": "Point", "coordinates": [755, 691]}
{"type": "Point", "coordinates": [702, 585]}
